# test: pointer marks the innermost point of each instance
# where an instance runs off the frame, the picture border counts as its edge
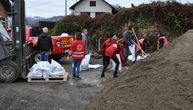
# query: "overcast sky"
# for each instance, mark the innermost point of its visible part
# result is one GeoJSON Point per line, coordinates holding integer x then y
{"type": "Point", "coordinates": [49, 8]}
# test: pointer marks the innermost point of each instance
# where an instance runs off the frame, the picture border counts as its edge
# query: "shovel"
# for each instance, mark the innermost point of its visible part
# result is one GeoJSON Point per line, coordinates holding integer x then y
{"type": "Point", "coordinates": [144, 54]}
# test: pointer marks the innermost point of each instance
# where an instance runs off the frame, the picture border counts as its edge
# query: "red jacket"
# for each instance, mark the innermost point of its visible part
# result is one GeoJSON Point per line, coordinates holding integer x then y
{"type": "Point", "coordinates": [121, 51]}
{"type": "Point", "coordinates": [139, 44]}
{"type": "Point", "coordinates": [166, 42]}
{"type": "Point", "coordinates": [112, 50]}
{"type": "Point", "coordinates": [106, 44]}
{"type": "Point", "coordinates": [77, 49]}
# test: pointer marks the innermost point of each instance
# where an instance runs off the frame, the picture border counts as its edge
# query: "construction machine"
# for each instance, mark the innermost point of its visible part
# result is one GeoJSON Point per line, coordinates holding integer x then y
{"type": "Point", "coordinates": [15, 53]}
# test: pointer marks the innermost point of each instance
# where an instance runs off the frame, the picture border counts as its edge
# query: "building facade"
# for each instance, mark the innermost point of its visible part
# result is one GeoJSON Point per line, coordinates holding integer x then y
{"type": "Point", "coordinates": [92, 8]}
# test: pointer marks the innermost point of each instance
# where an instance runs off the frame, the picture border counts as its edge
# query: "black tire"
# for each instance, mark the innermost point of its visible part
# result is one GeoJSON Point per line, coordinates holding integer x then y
{"type": "Point", "coordinates": [8, 71]}
{"type": "Point", "coordinates": [37, 57]}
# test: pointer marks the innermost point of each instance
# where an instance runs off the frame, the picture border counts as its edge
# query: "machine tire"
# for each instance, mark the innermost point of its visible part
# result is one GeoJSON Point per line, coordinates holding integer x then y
{"type": "Point", "coordinates": [8, 71]}
{"type": "Point", "coordinates": [37, 57]}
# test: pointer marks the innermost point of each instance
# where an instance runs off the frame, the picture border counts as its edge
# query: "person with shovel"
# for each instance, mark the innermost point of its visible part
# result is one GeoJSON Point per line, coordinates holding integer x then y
{"type": "Point", "coordinates": [129, 43]}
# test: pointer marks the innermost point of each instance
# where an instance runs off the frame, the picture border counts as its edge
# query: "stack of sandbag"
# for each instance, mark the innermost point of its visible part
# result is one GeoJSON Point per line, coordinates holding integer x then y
{"type": "Point", "coordinates": [45, 69]}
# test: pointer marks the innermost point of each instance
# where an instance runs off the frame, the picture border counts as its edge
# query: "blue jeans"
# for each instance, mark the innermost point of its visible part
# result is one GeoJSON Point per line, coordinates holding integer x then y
{"type": "Point", "coordinates": [76, 68]}
{"type": "Point", "coordinates": [44, 55]}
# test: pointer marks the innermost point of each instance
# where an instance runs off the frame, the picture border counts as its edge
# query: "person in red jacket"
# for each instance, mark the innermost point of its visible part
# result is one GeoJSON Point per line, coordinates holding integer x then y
{"type": "Point", "coordinates": [106, 44]}
{"type": "Point", "coordinates": [110, 53]}
{"type": "Point", "coordinates": [144, 44]}
{"type": "Point", "coordinates": [161, 41]}
{"type": "Point", "coordinates": [77, 51]}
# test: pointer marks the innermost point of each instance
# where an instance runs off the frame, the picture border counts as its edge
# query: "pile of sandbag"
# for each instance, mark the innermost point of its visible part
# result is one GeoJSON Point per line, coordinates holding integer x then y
{"type": "Point", "coordinates": [46, 70]}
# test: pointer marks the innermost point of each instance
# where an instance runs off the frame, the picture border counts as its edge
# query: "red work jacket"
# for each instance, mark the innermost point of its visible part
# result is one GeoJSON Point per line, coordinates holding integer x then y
{"type": "Point", "coordinates": [78, 49]}
{"type": "Point", "coordinates": [111, 51]}
{"type": "Point", "coordinates": [166, 42]}
{"type": "Point", "coordinates": [106, 44]}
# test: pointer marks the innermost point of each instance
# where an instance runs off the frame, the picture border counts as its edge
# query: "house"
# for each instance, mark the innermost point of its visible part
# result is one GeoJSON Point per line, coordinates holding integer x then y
{"type": "Point", "coordinates": [92, 7]}
{"type": "Point", "coordinates": [5, 7]}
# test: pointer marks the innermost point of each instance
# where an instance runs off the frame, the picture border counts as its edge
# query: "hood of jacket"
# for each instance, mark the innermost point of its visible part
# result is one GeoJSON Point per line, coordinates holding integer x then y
{"type": "Point", "coordinates": [44, 35]}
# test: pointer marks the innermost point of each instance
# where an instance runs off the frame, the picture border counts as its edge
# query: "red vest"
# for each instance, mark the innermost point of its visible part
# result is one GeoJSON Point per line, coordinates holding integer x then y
{"type": "Point", "coordinates": [77, 49]}
{"type": "Point", "coordinates": [106, 44]}
{"type": "Point", "coordinates": [110, 51]}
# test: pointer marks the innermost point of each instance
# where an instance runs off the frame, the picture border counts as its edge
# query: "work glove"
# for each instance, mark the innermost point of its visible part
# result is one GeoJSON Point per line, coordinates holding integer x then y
{"type": "Point", "coordinates": [126, 67]}
{"type": "Point", "coordinates": [68, 58]}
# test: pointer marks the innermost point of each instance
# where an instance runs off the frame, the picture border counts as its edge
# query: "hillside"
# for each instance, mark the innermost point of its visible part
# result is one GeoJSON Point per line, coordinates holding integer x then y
{"type": "Point", "coordinates": [163, 81]}
{"type": "Point", "coordinates": [34, 21]}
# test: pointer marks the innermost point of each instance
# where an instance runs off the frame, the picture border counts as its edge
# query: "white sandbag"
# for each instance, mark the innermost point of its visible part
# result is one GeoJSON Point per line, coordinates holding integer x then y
{"type": "Point", "coordinates": [138, 58]}
{"type": "Point", "coordinates": [132, 50]}
{"type": "Point", "coordinates": [56, 69]}
{"type": "Point", "coordinates": [114, 64]}
{"type": "Point", "coordinates": [85, 63]}
{"type": "Point", "coordinates": [40, 69]}
{"type": "Point", "coordinates": [94, 66]}
{"type": "Point", "coordinates": [35, 72]}
{"type": "Point", "coordinates": [45, 67]}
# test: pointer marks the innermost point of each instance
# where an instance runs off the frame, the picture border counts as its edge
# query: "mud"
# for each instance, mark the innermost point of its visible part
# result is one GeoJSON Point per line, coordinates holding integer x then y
{"type": "Point", "coordinates": [163, 81]}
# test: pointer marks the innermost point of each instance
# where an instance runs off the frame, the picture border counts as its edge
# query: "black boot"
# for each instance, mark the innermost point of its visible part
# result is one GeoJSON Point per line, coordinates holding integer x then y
{"type": "Point", "coordinates": [115, 76]}
{"type": "Point", "coordinates": [102, 75]}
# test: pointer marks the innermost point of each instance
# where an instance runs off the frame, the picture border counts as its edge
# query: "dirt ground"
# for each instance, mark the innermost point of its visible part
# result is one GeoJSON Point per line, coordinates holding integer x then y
{"type": "Point", "coordinates": [70, 95]}
{"type": "Point", "coordinates": [163, 81]}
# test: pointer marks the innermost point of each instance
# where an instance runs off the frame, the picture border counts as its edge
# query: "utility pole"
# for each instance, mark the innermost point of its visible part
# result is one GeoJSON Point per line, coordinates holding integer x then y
{"type": "Point", "coordinates": [65, 7]}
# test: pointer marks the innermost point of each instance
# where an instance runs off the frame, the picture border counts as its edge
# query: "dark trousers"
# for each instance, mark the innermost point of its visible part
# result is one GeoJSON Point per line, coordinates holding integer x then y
{"type": "Point", "coordinates": [106, 61]}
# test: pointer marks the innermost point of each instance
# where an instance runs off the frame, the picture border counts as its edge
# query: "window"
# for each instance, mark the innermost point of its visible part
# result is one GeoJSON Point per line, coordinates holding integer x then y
{"type": "Point", "coordinates": [85, 13]}
{"type": "Point", "coordinates": [92, 3]}
{"type": "Point", "coordinates": [99, 13]}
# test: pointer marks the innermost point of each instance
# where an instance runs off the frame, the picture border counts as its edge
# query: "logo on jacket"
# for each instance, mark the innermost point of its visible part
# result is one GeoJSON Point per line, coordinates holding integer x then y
{"type": "Point", "coordinates": [79, 47]}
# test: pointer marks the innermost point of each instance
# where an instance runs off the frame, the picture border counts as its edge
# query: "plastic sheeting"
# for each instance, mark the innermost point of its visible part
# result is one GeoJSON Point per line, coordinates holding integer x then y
{"type": "Point", "coordinates": [138, 58]}
{"type": "Point", "coordinates": [132, 50]}
{"type": "Point", "coordinates": [85, 63]}
{"type": "Point", "coordinates": [45, 69]}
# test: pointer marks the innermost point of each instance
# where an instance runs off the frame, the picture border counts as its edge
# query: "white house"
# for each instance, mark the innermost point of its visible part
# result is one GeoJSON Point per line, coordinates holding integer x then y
{"type": "Point", "coordinates": [92, 7]}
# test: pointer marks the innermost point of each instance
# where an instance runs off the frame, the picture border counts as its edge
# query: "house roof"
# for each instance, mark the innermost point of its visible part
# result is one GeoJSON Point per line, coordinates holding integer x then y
{"type": "Point", "coordinates": [73, 6]}
{"type": "Point", "coordinates": [6, 5]}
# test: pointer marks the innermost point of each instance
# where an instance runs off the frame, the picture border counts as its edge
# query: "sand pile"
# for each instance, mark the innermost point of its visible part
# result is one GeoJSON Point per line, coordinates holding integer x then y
{"type": "Point", "coordinates": [163, 81]}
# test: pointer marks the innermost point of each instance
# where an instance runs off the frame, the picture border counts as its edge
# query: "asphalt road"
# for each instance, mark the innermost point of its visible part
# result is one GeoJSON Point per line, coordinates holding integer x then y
{"type": "Point", "coordinates": [70, 95]}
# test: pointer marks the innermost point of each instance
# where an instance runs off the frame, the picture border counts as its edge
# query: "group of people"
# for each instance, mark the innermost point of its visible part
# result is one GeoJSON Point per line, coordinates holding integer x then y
{"type": "Point", "coordinates": [78, 49]}
{"type": "Point", "coordinates": [125, 46]}
{"type": "Point", "coordinates": [109, 49]}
